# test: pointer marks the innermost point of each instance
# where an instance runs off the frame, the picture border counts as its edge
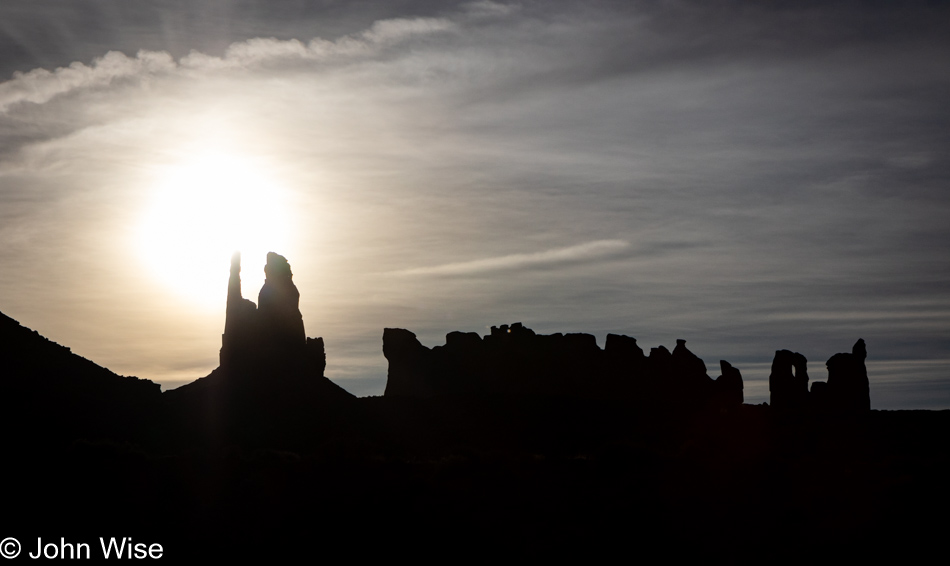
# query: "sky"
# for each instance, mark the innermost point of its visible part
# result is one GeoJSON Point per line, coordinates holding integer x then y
{"type": "Point", "coordinates": [746, 176]}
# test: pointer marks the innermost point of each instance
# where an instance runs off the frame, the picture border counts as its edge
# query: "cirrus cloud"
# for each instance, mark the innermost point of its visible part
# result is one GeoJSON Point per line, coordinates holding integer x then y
{"type": "Point", "coordinates": [591, 251]}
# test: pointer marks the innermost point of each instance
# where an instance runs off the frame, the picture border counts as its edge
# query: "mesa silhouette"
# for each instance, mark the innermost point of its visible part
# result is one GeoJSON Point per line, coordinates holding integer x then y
{"type": "Point", "coordinates": [508, 447]}
{"type": "Point", "coordinates": [513, 360]}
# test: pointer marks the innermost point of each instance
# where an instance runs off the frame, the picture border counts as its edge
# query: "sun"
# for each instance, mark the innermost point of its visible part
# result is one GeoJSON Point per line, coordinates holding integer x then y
{"type": "Point", "coordinates": [203, 208]}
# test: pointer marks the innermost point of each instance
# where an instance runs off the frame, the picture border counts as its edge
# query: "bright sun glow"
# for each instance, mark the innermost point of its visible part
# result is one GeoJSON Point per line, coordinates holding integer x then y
{"type": "Point", "coordinates": [200, 211]}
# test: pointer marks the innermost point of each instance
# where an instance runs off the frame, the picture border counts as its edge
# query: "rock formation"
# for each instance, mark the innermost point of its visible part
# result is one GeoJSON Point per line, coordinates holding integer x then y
{"type": "Point", "coordinates": [408, 371]}
{"type": "Point", "coordinates": [689, 373]}
{"type": "Point", "coordinates": [270, 382]}
{"type": "Point", "coordinates": [847, 389]}
{"type": "Point", "coordinates": [514, 360]}
{"type": "Point", "coordinates": [270, 334]}
{"type": "Point", "coordinates": [789, 390]}
{"type": "Point", "coordinates": [729, 385]}
{"type": "Point", "coordinates": [240, 319]}
{"type": "Point", "coordinates": [278, 305]}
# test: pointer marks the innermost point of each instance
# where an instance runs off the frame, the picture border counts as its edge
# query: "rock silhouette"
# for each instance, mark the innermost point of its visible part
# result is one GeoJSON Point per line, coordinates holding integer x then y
{"type": "Point", "coordinates": [729, 385]}
{"type": "Point", "coordinates": [846, 391]}
{"type": "Point", "coordinates": [278, 305]}
{"type": "Point", "coordinates": [514, 360]}
{"type": "Point", "coordinates": [271, 331]}
{"type": "Point", "coordinates": [848, 387]}
{"type": "Point", "coordinates": [270, 382]}
{"type": "Point", "coordinates": [788, 381]}
{"type": "Point", "coordinates": [241, 330]}
{"type": "Point", "coordinates": [266, 342]}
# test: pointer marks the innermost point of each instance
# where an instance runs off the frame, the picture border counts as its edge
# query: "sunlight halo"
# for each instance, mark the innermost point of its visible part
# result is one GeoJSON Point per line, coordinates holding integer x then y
{"type": "Point", "coordinates": [200, 210]}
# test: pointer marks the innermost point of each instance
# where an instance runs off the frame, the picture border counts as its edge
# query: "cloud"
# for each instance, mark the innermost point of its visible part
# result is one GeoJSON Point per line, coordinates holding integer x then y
{"type": "Point", "coordinates": [400, 29]}
{"type": "Point", "coordinates": [590, 251]}
{"type": "Point", "coordinates": [488, 9]}
{"type": "Point", "coordinates": [260, 50]}
{"type": "Point", "coordinates": [40, 85]}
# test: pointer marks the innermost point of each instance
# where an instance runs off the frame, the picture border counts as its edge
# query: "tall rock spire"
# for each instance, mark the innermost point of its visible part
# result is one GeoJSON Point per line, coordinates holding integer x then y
{"type": "Point", "coordinates": [278, 304]}
{"type": "Point", "coordinates": [240, 328]}
{"type": "Point", "coordinates": [234, 283]}
{"type": "Point", "coordinates": [271, 331]}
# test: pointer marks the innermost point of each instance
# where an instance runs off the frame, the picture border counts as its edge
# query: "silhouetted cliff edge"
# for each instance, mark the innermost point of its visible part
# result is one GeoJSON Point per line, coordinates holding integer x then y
{"type": "Point", "coordinates": [50, 393]}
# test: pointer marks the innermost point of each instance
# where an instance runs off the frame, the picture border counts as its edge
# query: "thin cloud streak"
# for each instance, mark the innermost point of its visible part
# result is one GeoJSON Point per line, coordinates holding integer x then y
{"type": "Point", "coordinates": [590, 251]}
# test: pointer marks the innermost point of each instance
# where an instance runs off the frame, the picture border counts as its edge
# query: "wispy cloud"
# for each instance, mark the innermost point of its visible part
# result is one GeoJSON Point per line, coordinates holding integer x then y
{"type": "Point", "coordinates": [400, 29]}
{"type": "Point", "coordinates": [40, 85]}
{"type": "Point", "coordinates": [487, 9]}
{"type": "Point", "coordinates": [257, 51]}
{"type": "Point", "coordinates": [590, 251]}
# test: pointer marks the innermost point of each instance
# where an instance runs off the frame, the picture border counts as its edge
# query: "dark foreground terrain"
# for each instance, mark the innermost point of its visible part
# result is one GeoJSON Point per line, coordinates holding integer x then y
{"type": "Point", "coordinates": [484, 480]}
